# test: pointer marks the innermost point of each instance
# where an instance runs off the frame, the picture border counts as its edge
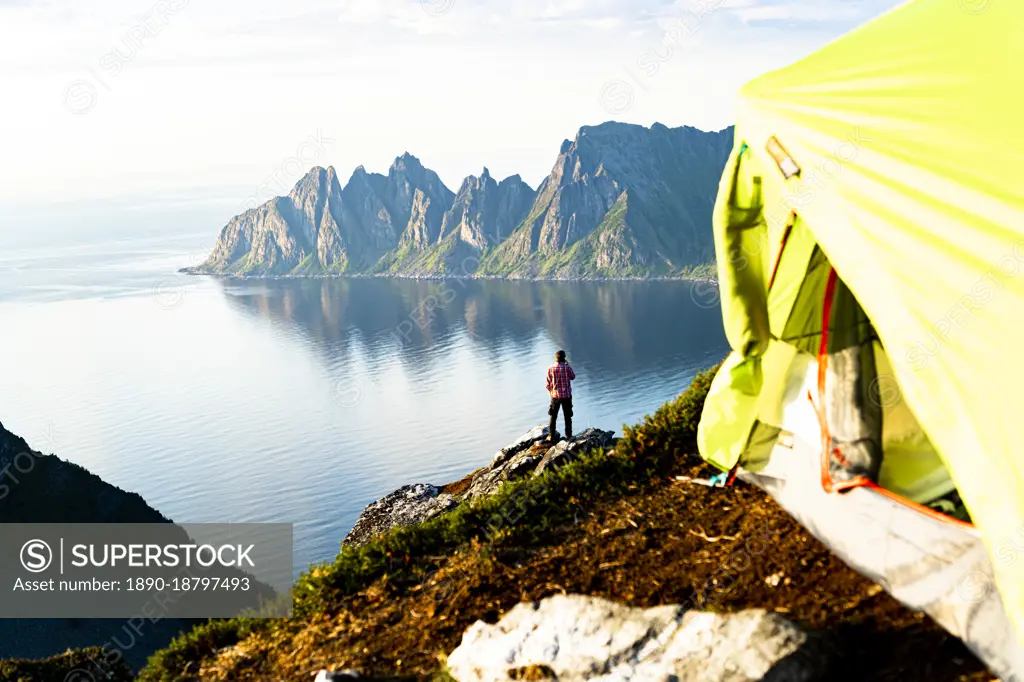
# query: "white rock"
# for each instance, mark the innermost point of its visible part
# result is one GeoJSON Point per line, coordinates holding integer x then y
{"type": "Point", "coordinates": [567, 450]}
{"type": "Point", "coordinates": [334, 676]}
{"type": "Point", "coordinates": [579, 638]}
{"type": "Point", "coordinates": [519, 444]}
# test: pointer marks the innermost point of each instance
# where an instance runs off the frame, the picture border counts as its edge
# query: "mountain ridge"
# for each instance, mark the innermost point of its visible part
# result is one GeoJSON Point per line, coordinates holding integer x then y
{"type": "Point", "coordinates": [622, 201]}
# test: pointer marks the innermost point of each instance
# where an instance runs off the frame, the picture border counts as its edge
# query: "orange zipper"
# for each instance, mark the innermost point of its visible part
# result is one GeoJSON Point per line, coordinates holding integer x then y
{"type": "Point", "coordinates": [826, 438]}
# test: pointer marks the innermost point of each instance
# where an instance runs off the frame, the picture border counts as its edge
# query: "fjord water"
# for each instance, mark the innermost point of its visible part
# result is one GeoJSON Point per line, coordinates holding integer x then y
{"type": "Point", "coordinates": [303, 400]}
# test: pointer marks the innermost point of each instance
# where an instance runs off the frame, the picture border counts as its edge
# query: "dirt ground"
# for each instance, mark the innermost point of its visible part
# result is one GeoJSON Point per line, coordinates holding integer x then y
{"type": "Point", "coordinates": [673, 542]}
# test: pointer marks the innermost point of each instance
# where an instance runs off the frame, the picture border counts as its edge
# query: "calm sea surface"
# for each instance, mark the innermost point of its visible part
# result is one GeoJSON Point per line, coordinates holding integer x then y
{"type": "Point", "coordinates": [303, 401]}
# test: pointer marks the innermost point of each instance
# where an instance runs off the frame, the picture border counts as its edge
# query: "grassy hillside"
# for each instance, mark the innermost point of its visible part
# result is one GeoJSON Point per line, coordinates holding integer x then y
{"type": "Point", "coordinates": [613, 524]}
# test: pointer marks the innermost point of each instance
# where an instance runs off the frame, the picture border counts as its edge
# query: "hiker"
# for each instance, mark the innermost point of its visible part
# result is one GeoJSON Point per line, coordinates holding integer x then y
{"type": "Point", "coordinates": [560, 376]}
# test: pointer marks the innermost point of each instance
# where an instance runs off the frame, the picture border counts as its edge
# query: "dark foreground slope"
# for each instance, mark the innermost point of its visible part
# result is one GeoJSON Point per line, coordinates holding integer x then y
{"type": "Point", "coordinates": [38, 488]}
{"type": "Point", "coordinates": [615, 524]}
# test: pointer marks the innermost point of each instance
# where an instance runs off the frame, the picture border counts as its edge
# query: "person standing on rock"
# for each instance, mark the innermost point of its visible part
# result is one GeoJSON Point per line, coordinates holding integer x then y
{"type": "Point", "coordinates": [559, 385]}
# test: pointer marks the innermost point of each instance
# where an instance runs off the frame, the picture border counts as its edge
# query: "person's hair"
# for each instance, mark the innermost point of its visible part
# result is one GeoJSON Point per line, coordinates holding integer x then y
{"type": "Point", "coordinates": [560, 356]}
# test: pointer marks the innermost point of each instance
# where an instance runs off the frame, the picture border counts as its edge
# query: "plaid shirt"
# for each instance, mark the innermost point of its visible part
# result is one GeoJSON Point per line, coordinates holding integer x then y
{"type": "Point", "coordinates": [559, 376]}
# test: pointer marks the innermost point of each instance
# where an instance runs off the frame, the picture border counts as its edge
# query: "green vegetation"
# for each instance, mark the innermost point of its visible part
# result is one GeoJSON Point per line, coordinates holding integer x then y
{"type": "Point", "coordinates": [183, 655]}
{"type": "Point", "coordinates": [704, 271]}
{"type": "Point", "coordinates": [407, 555]}
{"type": "Point", "coordinates": [613, 250]}
{"type": "Point", "coordinates": [307, 265]}
{"type": "Point", "coordinates": [67, 666]}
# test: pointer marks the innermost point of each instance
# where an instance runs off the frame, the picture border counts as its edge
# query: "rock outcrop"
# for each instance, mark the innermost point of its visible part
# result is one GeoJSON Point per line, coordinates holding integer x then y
{"type": "Point", "coordinates": [573, 638]}
{"type": "Point", "coordinates": [408, 505]}
{"type": "Point", "coordinates": [526, 455]}
{"type": "Point", "coordinates": [621, 201]}
{"type": "Point", "coordinates": [530, 454]}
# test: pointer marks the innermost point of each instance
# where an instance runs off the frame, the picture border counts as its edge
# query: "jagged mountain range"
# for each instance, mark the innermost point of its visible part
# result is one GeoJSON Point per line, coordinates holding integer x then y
{"type": "Point", "coordinates": [622, 200]}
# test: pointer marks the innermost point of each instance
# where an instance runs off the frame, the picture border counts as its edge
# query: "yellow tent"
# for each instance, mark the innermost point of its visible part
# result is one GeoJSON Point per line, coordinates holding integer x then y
{"type": "Point", "coordinates": [894, 157]}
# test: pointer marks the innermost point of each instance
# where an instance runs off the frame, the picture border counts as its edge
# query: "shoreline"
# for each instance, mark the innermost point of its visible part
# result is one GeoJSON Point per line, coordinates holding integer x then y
{"type": "Point", "coordinates": [442, 277]}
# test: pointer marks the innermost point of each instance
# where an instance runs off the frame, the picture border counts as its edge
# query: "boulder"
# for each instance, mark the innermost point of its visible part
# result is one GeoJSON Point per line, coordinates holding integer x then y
{"type": "Point", "coordinates": [575, 638]}
{"type": "Point", "coordinates": [518, 445]}
{"type": "Point", "coordinates": [532, 454]}
{"type": "Point", "coordinates": [528, 454]}
{"type": "Point", "coordinates": [567, 450]}
{"type": "Point", "coordinates": [408, 505]}
{"type": "Point", "coordinates": [523, 466]}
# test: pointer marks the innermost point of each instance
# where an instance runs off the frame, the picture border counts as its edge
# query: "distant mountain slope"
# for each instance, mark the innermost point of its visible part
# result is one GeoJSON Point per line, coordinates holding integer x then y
{"type": "Point", "coordinates": [483, 214]}
{"type": "Point", "coordinates": [621, 201]}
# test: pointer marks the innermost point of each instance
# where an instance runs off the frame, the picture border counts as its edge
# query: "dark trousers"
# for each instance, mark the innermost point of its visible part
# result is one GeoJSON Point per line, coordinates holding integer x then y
{"type": "Point", "coordinates": [566, 405]}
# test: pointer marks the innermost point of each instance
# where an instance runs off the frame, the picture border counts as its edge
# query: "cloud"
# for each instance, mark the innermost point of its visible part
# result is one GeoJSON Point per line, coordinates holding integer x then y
{"type": "Point", "coordinates": [605, 23]}
{"type": "Point", "coordinates": [400, 13]}
{"type": "Point", "coordinates": [794, 13]}
{"type": "Point", "coordinates": [461, 17]}
{"type": "Point", "coordinates": [235, 84]}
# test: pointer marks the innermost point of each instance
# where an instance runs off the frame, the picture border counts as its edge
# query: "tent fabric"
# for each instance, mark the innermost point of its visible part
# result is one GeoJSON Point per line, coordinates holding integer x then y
{"type": "Point", "coordinates": [911, 181]}
{"type": "Point", "coordinates": [929, 565]}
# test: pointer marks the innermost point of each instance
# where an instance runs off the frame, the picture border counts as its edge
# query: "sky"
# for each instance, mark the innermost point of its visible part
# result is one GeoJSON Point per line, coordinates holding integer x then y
{"type": "Point", "coordinates": [132, 99]}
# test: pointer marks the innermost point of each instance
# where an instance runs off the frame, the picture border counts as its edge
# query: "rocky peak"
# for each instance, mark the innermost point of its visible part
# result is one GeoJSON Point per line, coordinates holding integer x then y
{"type": "Point", "coordinates": [417, 201]}
{"type": "Point", "coordinates": [408, 222]}
{"type": "Point", "coordinates": [406, 163]}
{"type": "Point", "coordinates": [486, 212]}
{"type": "Point", "coordinates": [672, 176]}
{"type": "Point", "coordinates": [332, 176]}
{"type": "Point", "coordinates": [316, 185]}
